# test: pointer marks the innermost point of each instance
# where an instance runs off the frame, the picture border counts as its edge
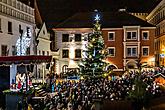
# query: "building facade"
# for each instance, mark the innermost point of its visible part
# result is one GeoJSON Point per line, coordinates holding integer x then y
{"type": "Point", "coordinates": [17, 35]}
{"type": "Point", "coordinates": [43, 49]}
{"type": "Point", "coordinates": [128, 46]}
{"type": "Point", "coordinates": [129, 40]}
{"type": "Point", "coordinates": [71, 43]}
{"type": "Point", "coordinates": [16, 24]}
{"type": "Point", "coordinates": [44, 45]}
{"type": "Point", "coordinates": [157, 17]}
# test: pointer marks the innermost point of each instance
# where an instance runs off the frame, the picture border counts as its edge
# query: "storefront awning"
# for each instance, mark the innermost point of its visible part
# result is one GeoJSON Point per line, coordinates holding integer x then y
{"type": "Point", "coordinates": [33, 59]}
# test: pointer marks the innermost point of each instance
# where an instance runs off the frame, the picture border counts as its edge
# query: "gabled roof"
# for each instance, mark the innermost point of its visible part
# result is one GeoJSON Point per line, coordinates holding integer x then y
{"type": "Point", "coordinates": [108, 20]}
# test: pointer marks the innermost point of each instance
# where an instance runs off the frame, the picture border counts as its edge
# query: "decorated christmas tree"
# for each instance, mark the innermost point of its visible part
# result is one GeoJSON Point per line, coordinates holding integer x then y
{"type": "Point", "coordinates": [93, 62]}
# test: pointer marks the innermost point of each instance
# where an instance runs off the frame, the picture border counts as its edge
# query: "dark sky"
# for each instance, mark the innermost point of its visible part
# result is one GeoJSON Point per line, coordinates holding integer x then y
{"type": "Point", "coordinates": [55, 11]}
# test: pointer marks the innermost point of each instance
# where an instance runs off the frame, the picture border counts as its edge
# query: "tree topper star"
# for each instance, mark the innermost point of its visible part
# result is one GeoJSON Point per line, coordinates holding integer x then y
{"type": "Point", "coordinates": [97, 17]}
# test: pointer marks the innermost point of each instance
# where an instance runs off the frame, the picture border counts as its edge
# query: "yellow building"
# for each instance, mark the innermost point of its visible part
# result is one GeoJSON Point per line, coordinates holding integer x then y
{"type": "Point", "coordinates": [157, 17]}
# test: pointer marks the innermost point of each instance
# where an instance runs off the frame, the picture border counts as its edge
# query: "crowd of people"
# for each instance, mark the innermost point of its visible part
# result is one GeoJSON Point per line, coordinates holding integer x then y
{"type": "Point", "coordinates": [82, 94]}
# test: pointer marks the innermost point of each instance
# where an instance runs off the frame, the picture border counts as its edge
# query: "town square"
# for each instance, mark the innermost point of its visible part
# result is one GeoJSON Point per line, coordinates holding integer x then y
{"type": "Point", "coordinates": [82, 55]}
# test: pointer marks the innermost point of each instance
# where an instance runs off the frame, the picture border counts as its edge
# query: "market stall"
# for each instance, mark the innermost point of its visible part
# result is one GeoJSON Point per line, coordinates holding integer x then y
{"type": "Point", "coordinates": [15, 70]}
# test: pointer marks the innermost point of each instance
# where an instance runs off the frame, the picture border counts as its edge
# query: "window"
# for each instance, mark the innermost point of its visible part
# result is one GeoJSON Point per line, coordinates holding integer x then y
{"type": "Point", "coordinates": [18, 14]}
{"type": "Point", "coordinates": [131, 51]}
{"type": "Point", "coordinates": [28, 51]}
{"type": "Point", "coordinates": [78, 53]}
{"type": "Point", "coordinates": [28, 31]}
{"type": "Point", "coordinates": [131, 36]}
{"type": "Point", "coordinates": [39, 52]}
{"type": "Point", "coordinates": [14, 13]}
{"type": "Point", "coordinates": [65, 53]}
{"type": "Point", "coordinates": [77, 37]}
{"type": "Point", "coordinates": [111, 36]}
{"type": "Point", "coordinates": [145, 50]}
{"type": "Point", "coordinates": [8, 10]}
{"type": "Point", "coordinates": [145, 35]}
{"type": "Point", "coordinates": [43, 52]}
{"type": "Point", "coordinates": [9, 2]}
{"type": "Point", "coordinates": [9, 27]}
{"type": "Point", "coordinates": [0, 8]}
{"type": "Point", "coordinates": [20, 29]}
{"type": "Point", "coordinates": [14, 52]}
{"type": "Point", "coordinates": [65, 37]}
{"type": "Point", "coordinates": [0, 26]}
{"type": "Point", "coordinates": [111, 51]}
{"type": "Point", "coordinates": [5, 1]}
{"type": "Point", "coordinates": [14, 3]}
{"type": "Point", "coordinates": [4, 50]}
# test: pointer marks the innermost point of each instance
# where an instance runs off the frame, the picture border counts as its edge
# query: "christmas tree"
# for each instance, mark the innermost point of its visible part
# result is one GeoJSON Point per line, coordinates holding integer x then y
{"type": "Point", "coordinates": [92, 64]}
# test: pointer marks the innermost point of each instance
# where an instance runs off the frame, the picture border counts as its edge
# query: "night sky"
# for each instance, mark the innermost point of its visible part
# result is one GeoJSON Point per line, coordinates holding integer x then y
{"type": "Point", "coordinates": [56, 11]}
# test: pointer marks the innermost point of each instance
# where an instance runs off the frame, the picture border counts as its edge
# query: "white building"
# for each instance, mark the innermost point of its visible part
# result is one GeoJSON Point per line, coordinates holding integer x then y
{"type": "Point", "coordinates": [43, 48]}
{"type": "Point", "coordinates": [17, 24]}
{"type": "Point", "coordinates": [43, 37]}
{"type": "Point", "coordinates": [157, 18]}
{"type": "Point", "coordinates": [44, 44]}
{"type": "Point", "coordinates": [71, 43]}
{"type": "Point", "coordinates": [15, 17]}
